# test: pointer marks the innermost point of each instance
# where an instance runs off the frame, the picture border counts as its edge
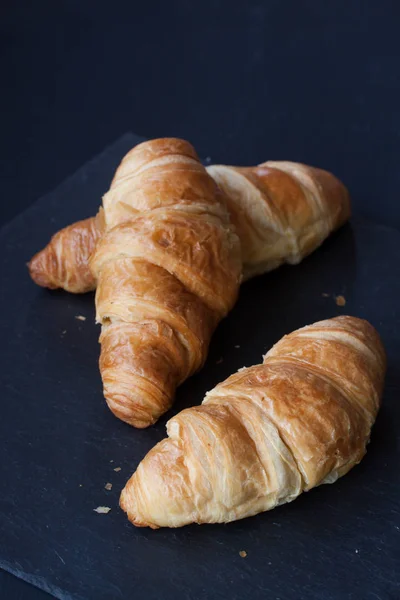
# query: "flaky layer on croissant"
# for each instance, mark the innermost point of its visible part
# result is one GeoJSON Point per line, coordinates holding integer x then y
{"type": "Point", "coordinates": [282, 211]}
{"type": "Point", "coordinates": [64, 262]}
{"type": "Point", "coordinates": [267, 433]}
{"type": "Point", "coordinates": [168, 269]}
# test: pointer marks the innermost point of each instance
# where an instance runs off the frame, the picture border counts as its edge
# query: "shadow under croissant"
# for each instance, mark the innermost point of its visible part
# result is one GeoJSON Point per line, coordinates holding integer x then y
{"type": "Point", "coordinates": [272, 305]}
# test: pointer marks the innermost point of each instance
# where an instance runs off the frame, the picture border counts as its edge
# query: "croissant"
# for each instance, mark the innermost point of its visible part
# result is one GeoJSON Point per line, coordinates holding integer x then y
{"type": "Point", "coordinates": [282, 211]}
{"type": "Point", "coordinates": [64, 262]}
{"type": "Point", "coordinates": [168, 268]}
{"type": "Point", "coordinates": [267, 433]}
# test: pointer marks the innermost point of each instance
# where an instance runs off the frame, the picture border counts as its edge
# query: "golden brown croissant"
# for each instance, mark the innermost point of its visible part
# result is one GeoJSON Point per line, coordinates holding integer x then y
{"type": "Point", "coordinates": [168, 269]}
{"type": "Point", "coordinates": [282, 211]}
{"type": "Point", "coordinates": [64, 262]}
{"type": "Point", "coordinates": [267, 433]}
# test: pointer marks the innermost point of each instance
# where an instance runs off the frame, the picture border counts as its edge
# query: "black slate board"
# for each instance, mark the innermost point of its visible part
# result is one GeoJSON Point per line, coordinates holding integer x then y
{"type": "Point", "coordinates": [59, 443]}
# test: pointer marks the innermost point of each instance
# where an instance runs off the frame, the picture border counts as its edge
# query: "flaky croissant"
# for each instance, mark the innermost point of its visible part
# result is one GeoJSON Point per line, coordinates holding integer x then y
{"type": "Point", "coordinates": [168, 269]}
{"type": "Point", "coordinates": [282, 211]}
{"type": "Point", "coordinates": [64, 262]}
{"type": "Point", "coordinates": [267, 433]}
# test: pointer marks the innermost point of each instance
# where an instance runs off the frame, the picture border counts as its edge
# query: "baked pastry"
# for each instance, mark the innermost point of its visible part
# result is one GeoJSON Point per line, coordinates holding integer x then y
{"type": "Point", "coordinates": [282, 211]}
{"type": "Point", "coordinates": [168, 269]}
{"type": "Point", "coordinates": [64, 262]}
{"type": "Point", "coordinates": [267, 433]}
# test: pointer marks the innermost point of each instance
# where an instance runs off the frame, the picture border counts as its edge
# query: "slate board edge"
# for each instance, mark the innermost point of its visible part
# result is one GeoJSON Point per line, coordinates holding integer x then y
{"type": "Point", "coordinates": [126, 137]}
{"type": "Point", "coordinates": [39, 582]}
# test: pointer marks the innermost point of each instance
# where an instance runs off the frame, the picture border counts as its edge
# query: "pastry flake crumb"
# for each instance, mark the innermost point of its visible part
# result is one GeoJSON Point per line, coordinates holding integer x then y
{"type": "Point", "coordinates": [325, 295]}
{"type": "Point", "coordinates": [80, 317]}
{"type": "Point", "coordinates": [64, 332]}
{"type": "Point", "coordinates": [117, 469]}
{"type": "Point", "coordinates": [356, 551]}
{"type": "Point", "coordinates": [102, 510]}
{"type": "Point", "coordinates": [243, 553]}
{"type": "Point", "coordinates": [108, 486]}
{"type": "Point", "coordinates": [81, 484]}
{"type": "Point", "coordinates": [237, 346]}
{"type": "Point", "coordinates": [219, 361]}
{"type": "Point", "coordinates": [340, 300]}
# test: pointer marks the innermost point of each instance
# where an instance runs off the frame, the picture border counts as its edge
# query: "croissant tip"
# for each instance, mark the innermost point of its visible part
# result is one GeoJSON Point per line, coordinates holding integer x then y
{"type": "Point", "coordinates": [122, 503]}
{"type": "Point", "coordinates": [133, 519]}
{"type": "Point", "coordinates": [38, 273]}
{"type": "Point", "coordinates": [132, 415]}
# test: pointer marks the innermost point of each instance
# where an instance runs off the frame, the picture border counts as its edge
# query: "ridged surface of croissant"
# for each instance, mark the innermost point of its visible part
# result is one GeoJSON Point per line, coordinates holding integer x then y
{"type": "Point", "coordinates": [168, 269]}
{"type": "Point", "coordinates": [64, 262]}
{"type": "Point", "coordinates": [282, 211]}
{"type": "Point", "coordinates": [267, 433]}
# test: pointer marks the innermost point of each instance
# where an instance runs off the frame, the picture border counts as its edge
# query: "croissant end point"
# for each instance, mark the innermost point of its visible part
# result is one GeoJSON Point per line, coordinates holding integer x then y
{"type": "Point", "coordinates": [130, 414]}
{"type": "Point", "coordinates": [124, 505]}
{"type": "Point", "coordinates": [37, 271]}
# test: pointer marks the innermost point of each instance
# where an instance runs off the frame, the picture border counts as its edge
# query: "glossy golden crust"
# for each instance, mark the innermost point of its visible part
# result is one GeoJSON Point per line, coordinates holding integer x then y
{"type": "Point", "coordinates": [168, 269]}
{"type": "Point", "coordinates": [282, 211]}
{"type": "Point", "coordinates": [199, 249]}
{"type": "Point", "coordinates": [155, 334]}
{"type": "Point", "coordinates": [64, 262]}
{"type": "Point", "coordinates": [267, 433]}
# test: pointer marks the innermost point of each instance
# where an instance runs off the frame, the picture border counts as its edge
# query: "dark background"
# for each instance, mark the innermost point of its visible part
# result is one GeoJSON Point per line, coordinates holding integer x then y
{"type": "Point", "coordinates": [305, 80]}
{"type": "Point", "coordinates": [310, 81]}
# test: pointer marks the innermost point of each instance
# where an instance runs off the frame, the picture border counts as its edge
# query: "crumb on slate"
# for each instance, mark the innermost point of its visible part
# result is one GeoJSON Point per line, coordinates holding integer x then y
{"type": "Point", "coordinates": [108, 486]}
{"type": "Point", "coordinates": [117, 469]}
{"type": "Point", "coordinates": [219, 361]}
{"type": "Point", "coordinates": [102, 510]}
{"type": "Point", "coordinates": [111, 461]}
{"type": "Point", "coordinates": [80, 485]}
{"type": "Point", "coordinates": [64, 332]}
{"type": "Point", "coordinates": [325, 295]}
{"type": "Point", "coordinates": [243, 553]}
{"type": "Point", "coordinates": [237, 346]}
{"type": "Point", "coordinates": [80, 318]}
{"type": "Point", "coordinates": [340, 300]}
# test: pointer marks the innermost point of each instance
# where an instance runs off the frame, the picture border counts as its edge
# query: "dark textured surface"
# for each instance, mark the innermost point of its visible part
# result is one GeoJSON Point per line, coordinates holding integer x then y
{"type": "Point", "coordinates": [244, 81]}
{"type": "Point", "coordinates": [57, 438]}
